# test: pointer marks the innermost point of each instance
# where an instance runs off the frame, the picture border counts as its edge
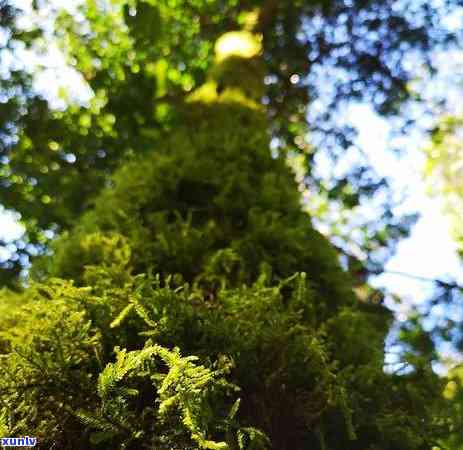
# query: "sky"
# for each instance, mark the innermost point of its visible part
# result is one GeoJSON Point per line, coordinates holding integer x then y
{"type": "Point", "coordinates": [429, 251]}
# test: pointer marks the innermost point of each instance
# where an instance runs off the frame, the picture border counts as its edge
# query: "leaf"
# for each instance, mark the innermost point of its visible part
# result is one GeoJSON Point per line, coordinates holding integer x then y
{"type": "Point", "coordinates": [122, 315]}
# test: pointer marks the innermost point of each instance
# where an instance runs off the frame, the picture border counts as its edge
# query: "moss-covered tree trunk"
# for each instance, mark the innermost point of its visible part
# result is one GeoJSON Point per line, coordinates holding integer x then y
{"type": "Point", "coordinates": [201, 244]}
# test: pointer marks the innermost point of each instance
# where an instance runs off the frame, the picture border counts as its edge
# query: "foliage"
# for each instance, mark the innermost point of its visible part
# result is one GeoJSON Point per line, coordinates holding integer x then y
{"type": "Point", "coordinates": [49, 361]}
{"type": "Point", "coordinates": [454, 392]}
{"type": "Point", "coordinates": [443, 174]}
{"type": "Point", "coordinates": [303, 381]}
{"type": "Point", "coordinates": [54, 381]}
{"type": "Point", "coordinates": [140, 59]}
{"type": "Point", "coordinates": [199, 243]}
{"type": "Point", "coordinates": [444, 166]}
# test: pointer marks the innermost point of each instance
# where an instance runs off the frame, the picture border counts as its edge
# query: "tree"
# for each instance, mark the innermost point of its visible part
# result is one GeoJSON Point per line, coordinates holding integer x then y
{"type": "Point", "coordinates": [138, 67]}
{"type": "Point", "coordinates": [444, 166]}
{"type": "Point", "coordinates": [443, 174]}
{"type": "Point", "coordinates": [199, 243]}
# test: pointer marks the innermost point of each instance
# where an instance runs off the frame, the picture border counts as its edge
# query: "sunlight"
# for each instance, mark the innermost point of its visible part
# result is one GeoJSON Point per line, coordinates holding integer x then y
{"type": "Point", "coordinates": [242, 44]}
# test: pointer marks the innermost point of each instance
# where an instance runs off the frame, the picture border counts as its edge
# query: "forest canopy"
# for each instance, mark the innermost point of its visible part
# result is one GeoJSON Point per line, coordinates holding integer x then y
{"type": "Point", "coordinates": [171, 289]}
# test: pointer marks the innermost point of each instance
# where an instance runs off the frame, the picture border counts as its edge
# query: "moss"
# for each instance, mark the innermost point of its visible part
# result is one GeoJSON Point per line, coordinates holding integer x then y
{"type": "Point", "coordinates": [201, 244]}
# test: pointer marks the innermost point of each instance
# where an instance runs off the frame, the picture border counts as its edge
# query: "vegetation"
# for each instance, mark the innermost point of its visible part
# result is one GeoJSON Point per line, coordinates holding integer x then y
{"type": "Point", "coordinates": [443, 175]}
{"type": "Point", "coordinates": [188, 301]}
{"type": "Point", "coordinates": [140, 66]}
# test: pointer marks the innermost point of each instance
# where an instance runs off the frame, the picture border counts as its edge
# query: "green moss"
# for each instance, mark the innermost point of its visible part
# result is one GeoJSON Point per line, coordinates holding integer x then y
{"type": "Point", "coordinates": [201, 244]}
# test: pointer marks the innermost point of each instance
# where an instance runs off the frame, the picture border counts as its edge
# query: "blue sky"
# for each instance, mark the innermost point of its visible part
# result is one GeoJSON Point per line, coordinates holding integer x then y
{"type": "Point", "coordinates": [429, 252]}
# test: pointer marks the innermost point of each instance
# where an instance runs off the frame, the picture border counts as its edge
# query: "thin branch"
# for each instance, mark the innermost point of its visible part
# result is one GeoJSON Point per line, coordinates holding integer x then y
{"type": "Point", "coordinates": [444, 284]}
